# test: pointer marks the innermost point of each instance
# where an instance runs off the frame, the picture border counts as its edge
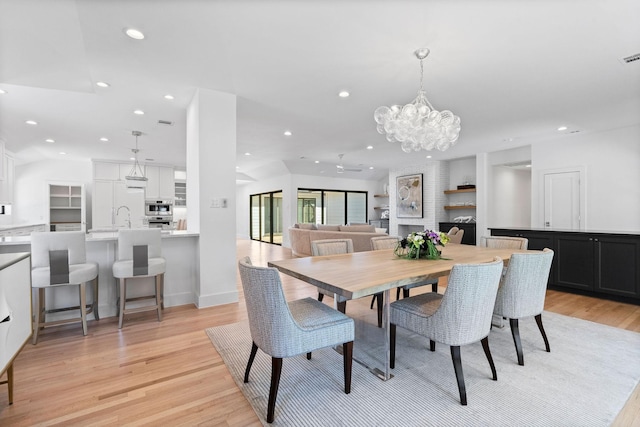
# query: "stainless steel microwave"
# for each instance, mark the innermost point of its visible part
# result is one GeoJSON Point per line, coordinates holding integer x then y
{"type": "Point", "coordinates": [159, 208]}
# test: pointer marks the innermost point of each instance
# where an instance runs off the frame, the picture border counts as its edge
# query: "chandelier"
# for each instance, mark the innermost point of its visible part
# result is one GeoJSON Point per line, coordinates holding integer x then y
{"type": "Point", "coordinates": [136, 182]}
{"type": "Point", "coordinates": [417, 125]}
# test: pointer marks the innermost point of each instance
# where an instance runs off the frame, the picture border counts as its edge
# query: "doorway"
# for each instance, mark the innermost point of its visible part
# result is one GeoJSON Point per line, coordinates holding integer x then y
{"type": "Point", "coordinates": [563, 199]}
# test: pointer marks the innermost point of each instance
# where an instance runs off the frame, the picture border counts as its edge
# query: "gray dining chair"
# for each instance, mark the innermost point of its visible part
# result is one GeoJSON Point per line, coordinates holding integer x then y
{"type": "Point", "coordinates": [139, 256]}
{"type": "Point", "coordinates": [332, 247]}
{"type": "Point", "coordinates": [459, 317]}
{"type": "Point", "coordinates": [282, 329]}
{"type": "Point", "coordinates": [59, 259]}
{"type": "Point", "coordinates": [522, 293]}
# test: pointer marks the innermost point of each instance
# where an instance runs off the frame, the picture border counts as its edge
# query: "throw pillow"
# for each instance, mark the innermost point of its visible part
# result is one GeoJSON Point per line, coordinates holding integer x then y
{"type": "Point", "coordinates": [328, 227]}
{"type": "Point", "coordinates": [307, 226]}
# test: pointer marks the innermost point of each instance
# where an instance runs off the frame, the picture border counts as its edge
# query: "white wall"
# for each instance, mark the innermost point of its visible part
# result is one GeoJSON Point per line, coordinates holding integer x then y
{"type": "Point", "coordinates": [511, 200]}
{"type": "Point", "coordinates": [31, 187]}
{"type": "Point", "coordinates": [612, 163]}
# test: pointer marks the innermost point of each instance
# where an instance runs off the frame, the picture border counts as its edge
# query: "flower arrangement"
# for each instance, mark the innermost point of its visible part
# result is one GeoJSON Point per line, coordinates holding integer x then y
{"type": "Point", "coordinates": [421, 244]}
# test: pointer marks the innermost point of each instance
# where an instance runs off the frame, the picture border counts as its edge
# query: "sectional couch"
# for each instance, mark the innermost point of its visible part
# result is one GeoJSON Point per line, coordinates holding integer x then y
{"type": "Point", "coordinates": [301, 236]}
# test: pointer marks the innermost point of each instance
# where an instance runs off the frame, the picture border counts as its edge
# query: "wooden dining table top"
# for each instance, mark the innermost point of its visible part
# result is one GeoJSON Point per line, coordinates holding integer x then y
{"type": "Point", "coordinates": [359, 274]}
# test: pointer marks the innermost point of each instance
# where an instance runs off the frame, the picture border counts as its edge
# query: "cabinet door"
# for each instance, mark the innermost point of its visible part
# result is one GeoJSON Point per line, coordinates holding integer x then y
{"type": "Point", "coordinates": [6, 184]}
{"type": "Point", "coordinates": [166, 183]}
{"type": "Point", "coordinates": [106, 170]}
{"type": "Point", "coordinates": [618, 261]}
{"type": "Point", "coordinates": [153, 184]}
{"type": "Point", "coordinates": [575, 261]}
{"type": "Point", "coordinates": [102, 204]}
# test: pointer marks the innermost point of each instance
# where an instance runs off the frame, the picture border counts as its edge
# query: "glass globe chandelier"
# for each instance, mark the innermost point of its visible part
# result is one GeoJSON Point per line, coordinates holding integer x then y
{"type": "Point", "coordinates": [417, 125]}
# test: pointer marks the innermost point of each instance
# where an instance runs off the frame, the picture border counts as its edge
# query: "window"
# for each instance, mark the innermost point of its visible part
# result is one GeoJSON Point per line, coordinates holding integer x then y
{"type": "Point", "coordinates": [331, 206]}
{"type": "Point", "coordinates": [266, 217]}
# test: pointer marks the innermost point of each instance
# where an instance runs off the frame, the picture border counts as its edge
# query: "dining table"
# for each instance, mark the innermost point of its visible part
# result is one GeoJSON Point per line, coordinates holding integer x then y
{"type": "Point", "coordinates": [360, 274]}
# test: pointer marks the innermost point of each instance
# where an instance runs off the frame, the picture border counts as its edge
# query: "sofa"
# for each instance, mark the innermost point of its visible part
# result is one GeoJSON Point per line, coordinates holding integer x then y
{"type": "Point", "coordinates": [301, 236]}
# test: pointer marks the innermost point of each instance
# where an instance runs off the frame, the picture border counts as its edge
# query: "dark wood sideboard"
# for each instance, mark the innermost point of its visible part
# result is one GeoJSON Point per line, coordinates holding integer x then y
{"type": "Point", "coordinates": [600, 264]}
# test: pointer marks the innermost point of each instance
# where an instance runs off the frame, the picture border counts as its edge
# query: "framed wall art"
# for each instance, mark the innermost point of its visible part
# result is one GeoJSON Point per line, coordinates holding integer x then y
{"type": "Point", "coordinates": [409, 196]}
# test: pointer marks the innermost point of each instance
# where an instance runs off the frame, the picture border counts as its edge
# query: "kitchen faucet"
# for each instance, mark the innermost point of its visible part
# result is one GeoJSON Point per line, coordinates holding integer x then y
{"type": "Point", "coordinates": [128, 214]}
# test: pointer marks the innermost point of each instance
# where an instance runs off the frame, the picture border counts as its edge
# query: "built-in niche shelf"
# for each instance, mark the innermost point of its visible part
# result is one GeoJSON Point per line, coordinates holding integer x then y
{"type": "Point", "coordinates": [66, 207]}
{"type": "Point", "coordinates": [459, 206]}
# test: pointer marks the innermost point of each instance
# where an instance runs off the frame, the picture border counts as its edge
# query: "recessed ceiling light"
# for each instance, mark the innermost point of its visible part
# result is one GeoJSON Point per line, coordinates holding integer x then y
{"type": "Point", "coordinates": [63, 153]}
{"type": "Point", "coordinates": [527, 166]}
{"type": "Point", "coordinates": [2, 91]}
{"type": "Point", "coordinates": [132, 158]}
{"type": "Point", "coordinates": [561, 128]}
{"type": "Point", "coordinates": [343, 94]}
{"type": "Point", "coordinates": [138, 112]}
{"type": "Point", "coordinates": [169, 97]}
{"type": "Point", "coordinates": [247, 154]}
{"type": "Point", "coordinates": [103, 84]}
{"type": "Point", "coordinates": [287, 133]}
{"type": "Point", "coordinates": [134, 34]}
{"type": "Point", "coordinates": [317, 161]}
{"type": "Point", "coordinates": [428, 157]}
{"type": "Point", "coordinates": [369, 147]}
{"type": "Point", "coordinates": [104, 139]}
{"type": "Point", "coordinates": [31, 122]}
{"type": "Point", "coordinates": [50, 141]}
{"type": "Point", "coordinates": [370, 167]}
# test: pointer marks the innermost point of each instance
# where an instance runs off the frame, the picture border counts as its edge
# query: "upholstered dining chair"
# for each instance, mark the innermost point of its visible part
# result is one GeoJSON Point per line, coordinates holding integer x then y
{"type": "Point", "coordinates": [282, 329]}
{"type": "Point", "coordinates": [332, 247]}
{"type": "Point", "coordinates": [59, 259]}
{"type": "Point", "coordinates": [455, 235]}
{"type": "Point", "coordinates": [139, 255]}
{"type": "Point", "coordinates": [522, 292]}
{"type": "Point", "coordinates": [459, 317]}
{"type": "Point", "coordinates": [505, 242]}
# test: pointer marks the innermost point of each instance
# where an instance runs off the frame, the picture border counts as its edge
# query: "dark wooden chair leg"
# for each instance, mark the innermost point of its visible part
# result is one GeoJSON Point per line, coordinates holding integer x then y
{"type": "Point", "coordinates": [276, 370]}
{"type": "Point", "coordinates": [487, 352]}
{"type": "Point", "coordinates": [457, 367]}
{"type": "Point", "coordinates": [320, 296]}
{"type": "Point", "coordinates": [515, 332]}
{"type": "Point", "coordinates": [309, 356]}
{"type": "Point", "coordinates": [254, 350]}
{"type": "Point", "coordinates": [342, 306]}
{"type": "Point", "coordinates": [405, 293]}
{"type": "Point", "coordinates": [392, 345]}
{"type": "Point", "coordinates": [347, 355]}
{"type": "Point", "coordinates": [544, 335]}
{"type": "Point", "coordinates": [432, 345]}
{"type": "Point", "coordinates": [434, 287]}
{"type": "Point", "coordinates": [373, 299]}
{"type": "Point", "coordinates": [397, 294]}
{"type": "Point", "coordinates": [380, 298]}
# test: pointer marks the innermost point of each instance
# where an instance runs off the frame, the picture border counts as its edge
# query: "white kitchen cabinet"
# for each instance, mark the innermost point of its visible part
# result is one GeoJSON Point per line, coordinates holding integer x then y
{"type": "Point", "coordinates": [160, 184]}
{"type": "Point", "coordinates": [67, 207]}
{"type": "Point", "coordinates": [108, 196]}
{"type": "Point", "coordinates": [106, 170]}
{"type": "Point", "coordinates": [6, 184]}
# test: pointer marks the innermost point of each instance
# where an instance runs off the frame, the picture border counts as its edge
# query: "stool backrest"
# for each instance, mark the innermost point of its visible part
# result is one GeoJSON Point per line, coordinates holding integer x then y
{"type": "Point", "coordinates": [43, 242]}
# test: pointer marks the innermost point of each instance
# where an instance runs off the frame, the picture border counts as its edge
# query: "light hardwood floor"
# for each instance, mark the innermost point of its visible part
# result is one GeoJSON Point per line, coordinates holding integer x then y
{"type": "Point", "coordinates": [168, 373]}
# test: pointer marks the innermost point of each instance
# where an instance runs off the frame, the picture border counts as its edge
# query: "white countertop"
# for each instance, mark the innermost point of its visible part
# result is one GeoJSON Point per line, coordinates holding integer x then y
{"type": "Point", "coordinates": [97, 237]}
{"type": "Point", "coordinates": [17, 226]}
{"type": "Point", "coordinates": [7, 260]}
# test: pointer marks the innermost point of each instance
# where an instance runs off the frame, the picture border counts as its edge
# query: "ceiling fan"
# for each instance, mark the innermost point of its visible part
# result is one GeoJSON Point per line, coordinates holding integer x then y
{"type": "Point", "coordinates": [342, 169]}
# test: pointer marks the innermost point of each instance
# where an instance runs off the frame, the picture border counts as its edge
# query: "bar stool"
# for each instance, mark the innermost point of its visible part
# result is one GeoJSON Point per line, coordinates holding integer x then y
{"type": "Point", "coordinates": [139, 255]}
{"type": "Point", "coordinates": [59, 259]}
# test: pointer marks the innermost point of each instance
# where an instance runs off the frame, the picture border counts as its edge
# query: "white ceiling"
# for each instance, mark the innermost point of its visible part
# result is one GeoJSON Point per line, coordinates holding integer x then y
{"type": "Point", "coordinates": [514, 71]}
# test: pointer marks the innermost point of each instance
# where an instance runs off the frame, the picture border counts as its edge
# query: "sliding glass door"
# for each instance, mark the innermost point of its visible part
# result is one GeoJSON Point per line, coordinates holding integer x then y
{"type": "Point", "coordinates": [266, 217]}
{"type": "Point", "coordinates": [331, 206]}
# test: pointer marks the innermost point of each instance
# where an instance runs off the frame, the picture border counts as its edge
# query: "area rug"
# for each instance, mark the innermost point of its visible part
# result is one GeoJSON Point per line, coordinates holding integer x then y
{"type": "Point", "coordinates": [585, 380]}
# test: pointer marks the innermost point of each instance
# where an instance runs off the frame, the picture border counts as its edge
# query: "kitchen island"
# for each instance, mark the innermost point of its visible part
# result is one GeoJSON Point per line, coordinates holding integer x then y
{"type": "Point", "coordinates": [179, 248]}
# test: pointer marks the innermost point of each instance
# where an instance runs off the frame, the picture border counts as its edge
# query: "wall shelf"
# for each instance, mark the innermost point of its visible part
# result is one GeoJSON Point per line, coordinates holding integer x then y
{"type": "Point", "coordinates": [466, 190]}
{"type": "Point", "coordinates": [449, 208]}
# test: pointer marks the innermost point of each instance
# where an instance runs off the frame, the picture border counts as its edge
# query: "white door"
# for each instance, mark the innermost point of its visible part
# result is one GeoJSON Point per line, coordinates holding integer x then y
{"type": "Point", "coordinates": [102, 207]}
{"type": "Point", "coordinates": [562, 200]}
